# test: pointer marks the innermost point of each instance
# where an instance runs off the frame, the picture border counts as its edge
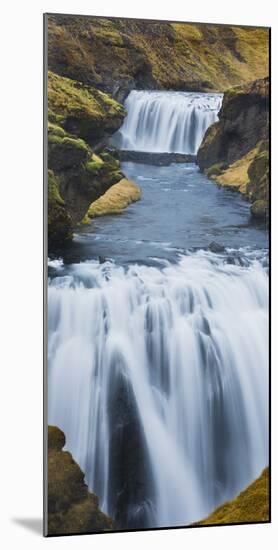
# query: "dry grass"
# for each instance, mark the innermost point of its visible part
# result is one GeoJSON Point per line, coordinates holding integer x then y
{"type": "Point", "coordinates": [176, 54]}
{"type": "Point", "coordinates": [116, 199]}
{"type": "Point", "coordinates": [236, 175]}
{"type": "Point", "coordinates": [252, 505]}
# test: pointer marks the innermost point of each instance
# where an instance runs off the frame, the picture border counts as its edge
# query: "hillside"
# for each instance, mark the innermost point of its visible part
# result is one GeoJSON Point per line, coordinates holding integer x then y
{"type": "Point", "coordinates": [117, 55]}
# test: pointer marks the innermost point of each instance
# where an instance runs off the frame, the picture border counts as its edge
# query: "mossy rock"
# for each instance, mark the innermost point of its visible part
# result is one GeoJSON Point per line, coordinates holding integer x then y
{"type": "Point", "coordinates": [216, 169]}
{"type": "Point", "coordinates": [65, 151]}
{"type": "Point", "coordinates": [71, 507]}
{"type": "Point", "coordinates": [81, 185]}
{"type": "Point", "coordinates": [82, 110]}
{"type": "Point", "coordinates": [243, 122]}
{"type": "Point", "coordinates": [56, 438]}
{"type": "Point", "coordinates": [258, 173]}
{"type": "Point", "coordinates": [259, 209]}
{"type": "Point", "coordinates": [59, 220]}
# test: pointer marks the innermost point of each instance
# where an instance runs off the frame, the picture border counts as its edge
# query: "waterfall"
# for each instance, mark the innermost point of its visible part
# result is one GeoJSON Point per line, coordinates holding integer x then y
{"type": "Point", "coordinates": [159, 379]}
{"type": "Point", "coordinates": [167, 121]}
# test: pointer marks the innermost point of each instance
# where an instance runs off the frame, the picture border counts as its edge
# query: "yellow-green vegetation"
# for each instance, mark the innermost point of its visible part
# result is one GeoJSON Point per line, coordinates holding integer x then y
{"type": "Point", "coordinates": [95, 164]}
{"type": "Point", "coordinates": [59, 221]}
{"type": "Point", "coordinates": [244, 52]}
{"type": "Point", "coordinates": [82, 110]}
{"type": "Point", "coordinates": [78, 114]}
{"type": "Point", "coordinates": [215, 170]}
{"type": "Point", "coordinates": [116, 52]}
{"type": "Point", "coordinates": [65, 150]}
{"type": "Point", "coordinates": [236, 175]}
{"type": "Point", "coordinates": [252, 505]}
{"type": "Point", "coordinates": [71, 507]}
{"type": "Point", "coordinates": [67, 97]}
{"type": "Point", "coordinates": [116, 199]}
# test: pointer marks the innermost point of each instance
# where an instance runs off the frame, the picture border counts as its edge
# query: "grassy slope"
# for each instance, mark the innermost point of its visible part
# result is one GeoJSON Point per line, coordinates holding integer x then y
{"type": "Point", "coordinates": [236, 175]}
{"type": "Point", "coordinates": [168, 55]}
{"type": "Point", "coordinates": [252, 505]}
{"type": "Point", "coordinates": [115, 199]}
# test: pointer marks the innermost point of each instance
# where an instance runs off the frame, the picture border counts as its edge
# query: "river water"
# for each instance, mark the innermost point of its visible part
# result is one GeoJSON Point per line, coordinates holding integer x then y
{"type": "Point", "coordinates": [158, 347]}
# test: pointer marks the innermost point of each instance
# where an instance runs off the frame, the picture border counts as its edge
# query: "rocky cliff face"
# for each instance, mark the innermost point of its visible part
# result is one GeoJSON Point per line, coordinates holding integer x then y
{"type": "Point", "coordinates": [79, 118]}
{"type": "Point", "coordinates": [72, 509]}
{"type": "Point", "coordinates": [117, 55]}
{"type": "Point", "coordinates": [234, 150]}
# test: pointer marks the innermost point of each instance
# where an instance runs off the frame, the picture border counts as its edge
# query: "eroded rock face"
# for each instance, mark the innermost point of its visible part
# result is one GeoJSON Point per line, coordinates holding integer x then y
{"type": "Point", "coordinates": [243, 122]}
{"type": "Point", "coordinates": [237, 146]}
{"type": "Point", "coordinates": [59, 220]}
{"type": "Point", "coordinates": [77, 176]}
{"type": "Point", "coordinates": [71, 507]}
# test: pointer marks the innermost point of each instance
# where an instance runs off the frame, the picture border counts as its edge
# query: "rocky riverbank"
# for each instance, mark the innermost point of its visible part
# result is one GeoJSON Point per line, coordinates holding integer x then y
{"type": "Point", "coordinates": [235, 150]}
{"type": "Point", "coordinates": [72, 509]}
{"type": "Point", "coordinates": [80, 117]}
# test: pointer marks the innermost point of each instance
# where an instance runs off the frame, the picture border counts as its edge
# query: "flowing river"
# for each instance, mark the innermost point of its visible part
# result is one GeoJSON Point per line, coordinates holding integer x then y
{"type": "Point", "coordinates": [158, 349]}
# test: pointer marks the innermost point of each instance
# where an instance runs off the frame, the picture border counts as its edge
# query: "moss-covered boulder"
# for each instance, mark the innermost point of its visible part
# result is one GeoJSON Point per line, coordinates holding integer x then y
{"type": "Point", "coordinates": [64, 150]}
{"type": "Point", "coordinates": [71, 507]}
{"type": "Point", "coordinates": [252, 505]}
{"type": "Point", "coordinates": [59, 220]}
{"type": "Point", "coordinates": [82, 185]}
{"type": "Point", "coordinates": [82, 110]}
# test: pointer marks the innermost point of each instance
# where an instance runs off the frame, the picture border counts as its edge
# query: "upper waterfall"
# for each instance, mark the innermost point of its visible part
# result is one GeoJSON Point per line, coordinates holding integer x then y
{"type": "Point", "coordinates": [167, 122]}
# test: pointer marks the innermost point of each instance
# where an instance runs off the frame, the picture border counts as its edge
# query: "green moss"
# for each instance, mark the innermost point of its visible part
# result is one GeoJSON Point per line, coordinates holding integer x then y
{"type": "Point", "coordinates": [53, 190]}
{"type": "Point", "coordinates": [78, 108]}
{"type": "Point", "coordinates": [55, 130]}
{"type": "Point", "coordinates": [215, 169]}
{"type": "Point", "coordinates": [71, 142]}
{"type": "Point", "coordinates": [94, 166]}
{"type": "Point", "coordinates": [59, 221]}
{"type": "Point", "coordinates": [86, 220]}
{"type": "Point", "coordinates": [252, 505]}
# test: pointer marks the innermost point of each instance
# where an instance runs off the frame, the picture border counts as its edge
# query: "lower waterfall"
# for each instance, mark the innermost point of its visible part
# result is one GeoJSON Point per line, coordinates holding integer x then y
{"type": "Point", "coordinates": [167, 122]}
{"type": "Point", "coordinates": [159, 379]}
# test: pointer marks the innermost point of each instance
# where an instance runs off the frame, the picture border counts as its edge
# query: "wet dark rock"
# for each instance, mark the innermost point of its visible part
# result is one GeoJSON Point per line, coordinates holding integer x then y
{"type": "Point", "coordinates": [156, 159]}
{"type": "Point", "coordinates": [216, 247]}
{"type": "Point", "coordinates": [243, 122]}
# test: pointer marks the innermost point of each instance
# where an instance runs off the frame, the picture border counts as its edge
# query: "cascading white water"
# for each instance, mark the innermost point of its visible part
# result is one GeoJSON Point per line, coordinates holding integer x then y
{"type": "Point", "coordinates": [167, 121]}
{"type": "Point", "coordinates": [159, 379]}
